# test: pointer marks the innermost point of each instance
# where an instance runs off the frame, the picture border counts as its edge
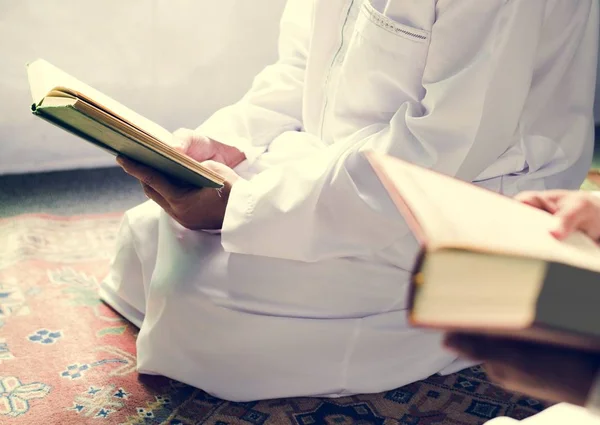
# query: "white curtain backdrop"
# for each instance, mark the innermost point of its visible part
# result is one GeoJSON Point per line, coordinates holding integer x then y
{"type": "Point", "coordinates": [174, 61]}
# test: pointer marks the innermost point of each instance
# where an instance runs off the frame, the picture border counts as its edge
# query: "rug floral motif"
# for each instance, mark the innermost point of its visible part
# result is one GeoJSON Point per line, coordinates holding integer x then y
{"type": "Point", "coordinates": [67, 358]}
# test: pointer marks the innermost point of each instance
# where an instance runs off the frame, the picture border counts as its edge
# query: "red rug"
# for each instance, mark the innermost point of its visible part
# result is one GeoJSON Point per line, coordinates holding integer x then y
{"type": "Point", "coordinates": [66, 358]}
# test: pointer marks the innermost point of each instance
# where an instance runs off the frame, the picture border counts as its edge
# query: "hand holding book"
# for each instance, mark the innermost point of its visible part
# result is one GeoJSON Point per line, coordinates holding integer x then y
{"type": "Point", "coordinates": [547, 372]}
{"type": "Point", "coordinates": [180, 177]}
{"type": "Point", "coordinates": [493, 266]}
{"type": "Point", "coordinates": [192, 207]}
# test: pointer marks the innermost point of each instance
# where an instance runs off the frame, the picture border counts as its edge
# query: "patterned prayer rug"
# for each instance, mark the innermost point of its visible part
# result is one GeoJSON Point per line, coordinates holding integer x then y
{"type": "Point", "coordinates": [66, 358]}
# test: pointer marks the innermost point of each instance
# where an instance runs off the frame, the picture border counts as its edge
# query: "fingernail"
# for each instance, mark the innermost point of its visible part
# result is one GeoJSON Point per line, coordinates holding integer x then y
{"type": "Point", "coordinates": [559, 233]}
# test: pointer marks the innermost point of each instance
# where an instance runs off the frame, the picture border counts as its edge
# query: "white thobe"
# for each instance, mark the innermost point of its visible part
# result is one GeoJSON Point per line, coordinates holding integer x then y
{"type": "Point", "coordinates": [593, 402]}
{"type": "Point", "coordinates": [304, 292]}
{"type": "Point", "coordinates": [560, 414]}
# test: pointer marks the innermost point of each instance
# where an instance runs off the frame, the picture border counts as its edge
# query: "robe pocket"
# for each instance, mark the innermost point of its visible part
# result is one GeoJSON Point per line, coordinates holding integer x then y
{"type": "Point", "coordinates": [382, 70]}
{"type": "Point", "coordinates": [378, 28]}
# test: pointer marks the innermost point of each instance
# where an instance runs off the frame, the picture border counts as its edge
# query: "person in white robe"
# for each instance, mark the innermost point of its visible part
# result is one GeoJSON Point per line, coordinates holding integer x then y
{"type": "Point", "coordinates": [300, 289]}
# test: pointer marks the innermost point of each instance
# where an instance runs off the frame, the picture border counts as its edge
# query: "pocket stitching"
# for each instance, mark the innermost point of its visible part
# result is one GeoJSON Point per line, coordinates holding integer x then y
{"type": "Point", "coordinates": [393, 27]}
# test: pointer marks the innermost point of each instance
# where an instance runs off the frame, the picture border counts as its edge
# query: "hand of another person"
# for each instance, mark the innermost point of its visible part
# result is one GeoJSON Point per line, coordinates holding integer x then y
{"type": "Point", "coordinates": [542, 371]}
{"type": "Point", "coordinates": [576, 210]}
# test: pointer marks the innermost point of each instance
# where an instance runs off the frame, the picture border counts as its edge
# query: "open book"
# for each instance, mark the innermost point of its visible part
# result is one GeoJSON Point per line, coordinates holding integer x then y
{"type": "Point", "coordinates": [95, 117]}
{"type": "Point", "coordinates": [489, 263]}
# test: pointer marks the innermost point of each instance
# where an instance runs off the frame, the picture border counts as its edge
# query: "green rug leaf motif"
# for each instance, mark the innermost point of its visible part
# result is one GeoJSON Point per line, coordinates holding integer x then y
{"type": "Point", "coordinates": [112, 331]}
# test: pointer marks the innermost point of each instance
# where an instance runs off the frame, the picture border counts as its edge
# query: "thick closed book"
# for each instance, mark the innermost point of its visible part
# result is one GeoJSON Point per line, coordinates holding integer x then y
{"type": "Point", "coordinates": [489, 265]}
{"type": "Point", "coordinates": [79, 109]}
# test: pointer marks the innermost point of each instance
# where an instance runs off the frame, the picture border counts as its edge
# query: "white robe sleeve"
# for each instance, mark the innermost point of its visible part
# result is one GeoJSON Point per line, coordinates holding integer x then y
{"type": "Point", "coordinates": [330, 204]}
{"type": "Point", "coordinates": [273, 105]}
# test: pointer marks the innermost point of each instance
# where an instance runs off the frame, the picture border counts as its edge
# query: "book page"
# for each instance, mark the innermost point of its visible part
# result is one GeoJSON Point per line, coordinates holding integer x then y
{"type": "Point", "coordinates": [45, 78]}
{"type": "Point", "coordinates": [455, 214]}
